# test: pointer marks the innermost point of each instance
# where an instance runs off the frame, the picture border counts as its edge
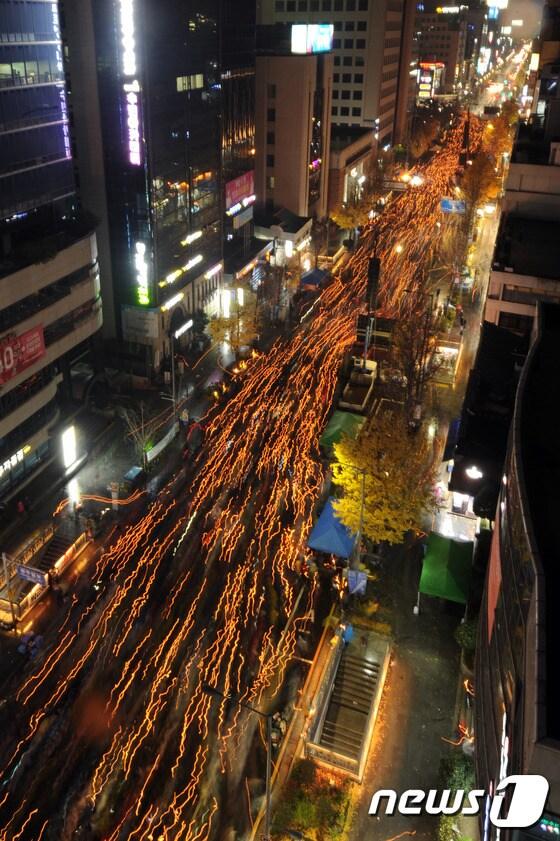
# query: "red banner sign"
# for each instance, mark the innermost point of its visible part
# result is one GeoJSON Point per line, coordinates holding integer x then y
{"type": "Point", "coordinates": [240, 188]}
{"type": "Point", "coordinates": [19, 352]}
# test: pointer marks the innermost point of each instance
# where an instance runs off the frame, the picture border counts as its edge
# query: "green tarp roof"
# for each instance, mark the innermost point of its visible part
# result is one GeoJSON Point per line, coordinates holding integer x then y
{"type": "Point", "coordinates": [341, 423]}
{"type": "Point", "coordinates": [446, 571]}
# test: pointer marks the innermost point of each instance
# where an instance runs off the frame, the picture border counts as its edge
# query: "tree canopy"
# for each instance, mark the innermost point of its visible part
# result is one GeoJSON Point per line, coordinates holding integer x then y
{"type": "Point", "coordinates": [242, 325]}
{"type": "Point", "coordinates": [480, 182]}
{"type": "Point", "coordinates": [399, 476]}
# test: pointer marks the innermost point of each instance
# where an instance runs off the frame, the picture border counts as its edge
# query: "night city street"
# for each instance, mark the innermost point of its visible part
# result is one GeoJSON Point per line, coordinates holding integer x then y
{"type": "Point", "coordinates": [271, 365]}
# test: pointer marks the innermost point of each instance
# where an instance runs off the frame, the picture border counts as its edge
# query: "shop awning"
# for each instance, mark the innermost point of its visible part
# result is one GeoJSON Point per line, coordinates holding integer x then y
{"type": "Point", "coordinates": [446, 572]}
{"type": "Point", "coordinates": [314, 277]}
{"type": "Point", "coordinates": [341, 423]}
{"type": "Point", "coordinates": [452, 438]}
{"type": "Point", "coordinates": [329, 535]}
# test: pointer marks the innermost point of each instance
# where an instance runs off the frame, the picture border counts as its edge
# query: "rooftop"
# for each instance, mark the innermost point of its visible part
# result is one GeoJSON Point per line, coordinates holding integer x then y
{"type": "Point", "coordinates": [343, 136]}
{"type": "Point", "coordinates": [285, 219]}
{"type": "Point", "coordinates": [528, 247]}
{"type": "Point", "coordinates": [538, 406]}
{"type": "Point", "coordinates": [487, 413]}
{"type": "Point", "coordinates": [236, 258]}
{"type": "Point", "coordinates": [531, 146]}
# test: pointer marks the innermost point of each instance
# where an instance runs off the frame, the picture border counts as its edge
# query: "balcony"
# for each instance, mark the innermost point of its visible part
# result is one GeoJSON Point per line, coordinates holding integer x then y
{"type": "Point", "coordinates": [61, 339]}
{"type": "Point", "coordinates": [59, 255]}
{"type": "Point", "coordinates": [52, 302]}
{"type": "Point", "coordinates": [35, 401]}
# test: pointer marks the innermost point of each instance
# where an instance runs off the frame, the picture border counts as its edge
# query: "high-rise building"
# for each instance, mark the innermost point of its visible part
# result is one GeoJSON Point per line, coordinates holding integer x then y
{"type": "Point", "coordinates": [238, 46]}
{"type": "Point", "coordinates": [406, 89]}
{"type": "Point", "coordinates": [516, 676]}
{"type": "Point", "coordinates": [294, 94]}
{"type": "Point", "coordinates": [440, 39]}
{"type": "Point", "coordinates": [366, 51]}
{"type": "Point", "coordinates": [146, 82]}
{"type": "Point", "coordinates": [50, 307]}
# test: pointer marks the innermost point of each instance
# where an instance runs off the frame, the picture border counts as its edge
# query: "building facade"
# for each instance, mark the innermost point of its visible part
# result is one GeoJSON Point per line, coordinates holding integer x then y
{"type": "Point", "coordinates": [50, 306]}
{"type": "Point", "coordinates": [440, 39]}
{"type": "Point", "coordinates": [366, 51]}
{"type": "Point", "coordinates": [516, 727]}
{"type": "Point", "coordinates": [238, 55]}
{"type": "Point", "coordinates": [524, 271]}
{"type": "Point", "coordinates": [156, 140]}
{"type": "Point", "coordinates": [350, 163]}
{"type": "Point", "coordinates": [293, 101]}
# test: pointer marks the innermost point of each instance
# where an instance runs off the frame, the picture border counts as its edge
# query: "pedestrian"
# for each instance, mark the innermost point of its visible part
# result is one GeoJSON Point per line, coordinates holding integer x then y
{"type": "Point", "coordinates": [20, 506]}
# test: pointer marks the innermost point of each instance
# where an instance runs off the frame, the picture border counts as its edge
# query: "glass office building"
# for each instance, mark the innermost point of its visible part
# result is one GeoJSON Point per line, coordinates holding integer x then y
{"type": "Point", "coordinates": [35, 153]}
{"type": "Point", "coordinates": [50, 306]}
{"type": "Point", "coordinates": [159, 107]}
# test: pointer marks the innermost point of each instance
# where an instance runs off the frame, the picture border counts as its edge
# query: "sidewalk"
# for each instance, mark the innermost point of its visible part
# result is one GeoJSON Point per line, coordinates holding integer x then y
{"type": "Point", "coordinates": [108, 453]}
{"type": "Point", "coordinates": [293, 742]}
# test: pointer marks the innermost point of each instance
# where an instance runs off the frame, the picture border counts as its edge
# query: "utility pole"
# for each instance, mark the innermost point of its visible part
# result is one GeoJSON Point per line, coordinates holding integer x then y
{"type": "Point", "coordinates": [173, 394]}
{"type": "Point", "coordinates": [8, 587]}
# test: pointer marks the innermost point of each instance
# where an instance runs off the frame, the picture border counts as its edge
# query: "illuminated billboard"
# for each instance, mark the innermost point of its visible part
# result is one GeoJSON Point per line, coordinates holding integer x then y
{"type": "Point", "coordinates": [19, 352]}
{"type": "Point", "coordinates": [310, 38]}
{"type": "Point", "coordinates": [131, 85]}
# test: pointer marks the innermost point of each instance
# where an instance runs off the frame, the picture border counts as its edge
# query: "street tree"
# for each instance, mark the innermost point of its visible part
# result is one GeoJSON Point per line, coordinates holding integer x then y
{"type": "Point", "coordinates": [142, 430]}
{"type": "Point", "coordinates": [351, 216]}
{"type": "Point", "coordinates": [424, 132]}
{"type": "Point", "coordinates": [480, 182]}
{"type": "Point", "coordinates": [242, 325]}
{"type": "Point", "coordinates": [413, 353]}
{"type": "Point", "coordinates": [200, 323]}
{"type": "Point", "coordinates": [398, 476]}
{"type": "Point", "coordinates": [497, 138]}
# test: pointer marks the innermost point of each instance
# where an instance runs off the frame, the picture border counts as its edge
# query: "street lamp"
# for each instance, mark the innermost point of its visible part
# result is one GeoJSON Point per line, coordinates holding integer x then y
{"type": "Point", "coordinates": [212, 690]}
{"type": "Point", "coordinates": [172, 336]}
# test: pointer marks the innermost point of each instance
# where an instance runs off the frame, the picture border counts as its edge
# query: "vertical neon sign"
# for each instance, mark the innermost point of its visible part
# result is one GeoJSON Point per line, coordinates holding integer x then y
{"type": "Point", "coordinates": [61, 90]}
{"type": "Point", "coordinates": [131, 85]}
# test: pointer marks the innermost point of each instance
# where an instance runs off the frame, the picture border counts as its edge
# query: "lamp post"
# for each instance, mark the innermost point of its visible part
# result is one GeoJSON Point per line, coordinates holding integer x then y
{"type": "Point", "coordinates": [212, 690]}
{"type": "Point", "coordinates": [172, 336]}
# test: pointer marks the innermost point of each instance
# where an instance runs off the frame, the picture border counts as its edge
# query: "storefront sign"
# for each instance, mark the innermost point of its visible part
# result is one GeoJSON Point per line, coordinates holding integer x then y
{"type": "Point", "coordinates": [141, 268]}
{"type": "Point", "coordinates": [240, 188]}
{"type": "Point", "coordinates": [19, 352]}
{"type": "Point", "coordinates": [36, 576]}
{"type": "Point", "coordinates": [14, 460]}
{"type": "Point", "coordinates": [242, 218]}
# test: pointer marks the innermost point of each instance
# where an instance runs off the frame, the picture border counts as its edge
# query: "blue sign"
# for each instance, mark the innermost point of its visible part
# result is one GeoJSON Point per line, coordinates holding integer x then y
{"type": "Point", "coordinates": [32, 574]}
{"type": "Point", "coordinates": [357, 581]}
{"type": "Point", "coordinates": [448, 205]}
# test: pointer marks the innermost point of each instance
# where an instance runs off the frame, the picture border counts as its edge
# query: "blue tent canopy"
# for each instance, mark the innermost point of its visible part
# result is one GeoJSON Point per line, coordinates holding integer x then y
{"type": "Point", "coordinates": [313, 277]}
{"type": "Point", "coordinates": [330, 535]}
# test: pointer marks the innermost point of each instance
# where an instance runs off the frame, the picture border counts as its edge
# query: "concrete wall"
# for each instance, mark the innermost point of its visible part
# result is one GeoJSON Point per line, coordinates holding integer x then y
{"type": "Point", "coordinates": [31, 279]}
{"type": "Point", "coordinates": [79, 32]}
{"type": "Point", "coordinates": [533, 190]}
{"type": "Point", "coordinates": [535, 287]}
{"type": "Point", "coordinates": [295, 81]}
